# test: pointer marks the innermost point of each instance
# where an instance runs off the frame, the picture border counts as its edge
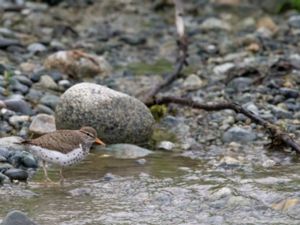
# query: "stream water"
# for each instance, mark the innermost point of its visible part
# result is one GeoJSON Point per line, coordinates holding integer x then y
{"type": "Point", "coordinates": [167, 189]}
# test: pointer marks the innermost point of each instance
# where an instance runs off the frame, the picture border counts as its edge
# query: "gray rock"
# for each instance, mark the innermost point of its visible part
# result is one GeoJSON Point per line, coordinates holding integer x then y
{"type": "Point", "coordinates": [44, 109]}
{"type": "Point", "coordinates": [3, 178]}
{"type": "Point", "coordinates": [16, 217]}
{"type": "Point", "coordinates": [80, 192]}
{"type": "Point", "coordinates": [50, 100]}
{"type": "Point", "coordinates": [64, 84]}
{"type": "Point", "coordinates": [289, 93]}
{"type": "Point", "coordinates": [18, 105]}
{"type": "Point", "coordinates": [117, 117]}
{"type": "Point", "coordinates": [294, 21]}
{"type": "Point", "coordinates": [24, 80]}
{"type": "Point", "coordinates": [47, 82]}
{"type": "Point", "coordinates": [16, 174]}
{"type": "Point", "coordinates": [5, 166]}
{"type": "Point", "coordinates": [192, 82]}
{"type": "Point", "coordinates": [34, 95]}
{"type": "Point", "coordinates": [252, 108]}
{"type": "Point", "coordinates": [166, 145]}
{"type": "Point", "coordinates": [23, 159]}
{"type": "Point", "coordinates": [10, 143]}
{"type": "Point", "coordinates": [17, 86]}
{"type": "Point", "coordinates": [36, 48]}
{"type": "Point", "coordinates": [141, 161]}
{"type": "Point", "coordinates": [238, 134]}
{"type": "Point", "coordinates": [223, 68]}
{"type": "Point", "coordinates": [18, 121]}
{"type": "Point", "coordinates": [214, 23]}
{"type": "Point", "coordinates": [240, 84]}
{"type": "Point", "coordinates": [42, 124]}
{"type": "Point", "coordinates": [281, 113]}
{"type": "Point", "coordinates": [127, 151]}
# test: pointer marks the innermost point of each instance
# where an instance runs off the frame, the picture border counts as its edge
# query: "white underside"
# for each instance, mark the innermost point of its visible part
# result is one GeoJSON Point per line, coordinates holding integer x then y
{"type": "Point", "coordinates": [59, 158]}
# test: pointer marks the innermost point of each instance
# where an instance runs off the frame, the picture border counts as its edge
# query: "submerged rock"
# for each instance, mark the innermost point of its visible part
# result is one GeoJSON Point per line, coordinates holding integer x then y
{"type": "Point", "coordinates": [16, 217]}
{"type": "Point", "coordinates": [117, 117]}
{"type": "Point", "coordinates": [127, 151]}
{"type": "Point", "coordinates": [16, 174]}
{"type": "Point", "coordinates": [238, 134]}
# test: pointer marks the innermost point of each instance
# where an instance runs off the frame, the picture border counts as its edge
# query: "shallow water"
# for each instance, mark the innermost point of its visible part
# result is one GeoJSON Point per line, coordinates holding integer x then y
{"type": "Point", "coordinates": [168, 189]}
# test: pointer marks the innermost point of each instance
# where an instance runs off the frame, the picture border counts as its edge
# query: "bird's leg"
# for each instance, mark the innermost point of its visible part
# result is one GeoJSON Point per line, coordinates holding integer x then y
{"type": "Point", "coordinates": [46, 172]}
{"type": "Point", "coordinates": [62, 179]}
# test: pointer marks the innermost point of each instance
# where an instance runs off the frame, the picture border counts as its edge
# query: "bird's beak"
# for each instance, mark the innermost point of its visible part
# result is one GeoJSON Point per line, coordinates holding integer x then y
{"type": "Point", "coordinates": [99, 142]}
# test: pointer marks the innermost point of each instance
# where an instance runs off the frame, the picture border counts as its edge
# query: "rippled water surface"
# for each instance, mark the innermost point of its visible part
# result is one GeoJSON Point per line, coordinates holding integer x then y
{"type": "Point", "coordinates": [167, 189]}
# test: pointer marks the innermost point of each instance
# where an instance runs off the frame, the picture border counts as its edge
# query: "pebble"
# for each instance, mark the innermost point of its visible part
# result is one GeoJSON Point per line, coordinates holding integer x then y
{"type": "Point", "coordinates": [50, 100]}
{"type": "Point", "coordinates": [44, 109]}
{"type": "Point", "coordinates": [294, 21]}
{"type": "Point", "coordinates": [42, 124]}
{"type": "Point", "coordinates": [16, 174]}
{"type": "Point", "coordinates": [35, 48]}
{"type": "Point", "coordinates": [127, 151]}
{"type": "Point", "coordinates": [238, 134]}
{"type": "Point", "coordinates": [214, 23]}
{"type": "Point", "coordinates": [47, 82]}
{"type": "Point", "coordinates": [141, 161]}
{"type": "Point", "coordinates": [223, 69]}
{"type": "Point", "coordinates": [18, 105]}
{"type": "Point", "coordinates": [18, 121]}
{"type": "Point", "coordinates": [192, 82]}
{"type": "Point", "coordinates": [166, 145]}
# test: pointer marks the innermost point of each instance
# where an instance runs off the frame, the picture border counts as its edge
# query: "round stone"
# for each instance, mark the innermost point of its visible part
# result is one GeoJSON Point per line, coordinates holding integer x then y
{"type": "Point", "coordinates": [117, 117]}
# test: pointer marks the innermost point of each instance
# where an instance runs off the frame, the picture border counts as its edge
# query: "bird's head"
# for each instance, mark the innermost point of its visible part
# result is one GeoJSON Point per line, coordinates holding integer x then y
{"type": "Point", "coordinates": [90, 136]}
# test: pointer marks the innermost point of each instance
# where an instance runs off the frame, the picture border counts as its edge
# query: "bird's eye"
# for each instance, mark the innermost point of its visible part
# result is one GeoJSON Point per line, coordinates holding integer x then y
{"type": "Point", "coordinates": [88, 134]}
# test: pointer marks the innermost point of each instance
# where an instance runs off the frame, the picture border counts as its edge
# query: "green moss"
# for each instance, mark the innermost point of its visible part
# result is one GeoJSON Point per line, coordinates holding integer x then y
{"type": "Point", "coordinates": [158, 111]}
{"type": "Point", "coordinates": [159, 67]}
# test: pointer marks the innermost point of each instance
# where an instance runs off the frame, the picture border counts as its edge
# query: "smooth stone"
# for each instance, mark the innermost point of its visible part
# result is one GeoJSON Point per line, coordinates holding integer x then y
{"type": "Point", "coordinates": [34, 95]}
{"type": "Point", "coordinates": [36, 48]}
{"type": "Point", "coordinates": [18, 105]}
{"type": "Point", "coordinates": [80, 192]}
{"type": "Point", "coordinates": [133, 39]}
{"type": "Point", "coordinates": [214, 23]}
{"type": "Point", "coordinates": [251, 107]}
{"type": "Point", "coordinates": [166, 145]}
{"type": "Point", "coordinates": [6, 42]}
{"type": "Point", "coordinates": [223, 68]}
{"type": "Point", "coordinates": [64, 83]}
{"type": "Point", "coordinates": [16, 217]}
{"type": "Point", "coordinates": [289, 93]}
{"type": "Point", "coordinates": [192, 82]}
{"type": "Point", "coordinates": [5, 166]}
{"type": "Point", "coordinates": [229, 162]}
{"type": "Point", "coordinates": [42, 124]}
{"type": "Point", "coordinates": [2, 158]}
{"type": "Point", "coordinates": [47, 82]}
{"type": "Point", "coordinates": [141, 161]}
{"type": "Point", "coordinates": [117, 117]}
{"type": "Point", "coordinates": [281, 113]}
{"type": "Point", "coordinates": [16, 174]}
{"type": "Point", "coordinates": [17, 86]}
{"type": "Point", "coordinates": [127, 151]}
{"type": "Point", "coordinates": [44, 109]}
{"type": "Point", "coordinates": [50, 100]}
{"type": "Point", "coordinates": [11, 143]}
{"type": "Point", "coordinates": [55, 75]}
{"type": "Point", "coordinates": [238, 134]}
{"type": "Point", "coordinates": [240, 84]}
{"type": "Point", "coordinates": [4, 152]}
{"type": "Point", "coordinates": [294, 21]}
{"type": "Point", "coordinates": [24, 80]}
{"type": "Point", "coordinates": [3, 178]}
{"type": "Point", "coordinates": [23, 159]}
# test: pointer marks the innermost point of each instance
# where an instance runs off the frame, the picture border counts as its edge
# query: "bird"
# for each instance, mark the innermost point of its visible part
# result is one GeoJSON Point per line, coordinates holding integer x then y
{"type": "Point", "coordinates": [62, 147]}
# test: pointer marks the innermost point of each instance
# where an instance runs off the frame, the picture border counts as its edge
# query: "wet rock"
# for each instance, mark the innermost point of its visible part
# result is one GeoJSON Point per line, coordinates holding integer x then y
{"type": "Point", "coordinates": [109, 177]}
{"type": "Point", "coordinates": [16, 86]}
{"type": "Point", "coordinates": [117, 117]}
{"type": "Point", "coordinates": [50, 100]}
{"type": "Point", "coordinates": [78, 64]}
{"type": "Point", "coordinates": [16, 174]}
{"type": "Point", "coordinates": [55, 75]}
{"type": "Point", "coordinates": [35, 48]}
{"type": "Point", "coordinates": [42, 124]}
{"type": "Point", "coordinates": [6, 42]}
{"type": "Point", "coordinates": [65, 84]}
{"type": "Point", "coordinates": [3, 178]}
{"type": "Point", "coordinates": [2, 158]}
{"type": "Point", "coordinates": [24, 80]}
{"type": "Point", "coordinates": [294, 21]}
{"type": "Point", "coordinates": [34, 95]}
{"type": "Point", "coordinates": [252, 108]}
{"type": "Point", "coordinates": [214, 23]}
{"type": "Point", "coordinates": [281, 113]}
{"type": "Point", "coordinates": [4, 152]}
{"type": "Point", "coordinates": [80, 192]}
{"type": "Point", "coordinates": [16, 217]}
{"type": "Point", "coordinates": [127, 151]}
{"type": "Point", "coordinates": [18, 105]}
{"type": "Point", "coordinates": [141, 161]}
{"type": "Point", "coordinates": [23, 159]}
{"type": "Point", "coordinates": [133, 39]}
{"type": "Point", "coordinates": [166, 145]}
{"type": "Point", "coordinates": [47, 82]}
{"type": "Point", "coordinates": [5, 166]}
{"type": "Point", "coordinates": [238, 134]}
{"type": "Point", "coordinates": [192, 82]}
{"type": "Point", "coordinates": [229, 162]}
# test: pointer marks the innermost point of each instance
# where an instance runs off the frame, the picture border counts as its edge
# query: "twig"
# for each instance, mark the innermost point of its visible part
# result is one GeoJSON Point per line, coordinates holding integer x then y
{"type": "Point", "coordinates": [279, 138]}
{"type": "Point", "coordinates": [149, 98]}
{"type": "Point", "coordinates": [13, 8]}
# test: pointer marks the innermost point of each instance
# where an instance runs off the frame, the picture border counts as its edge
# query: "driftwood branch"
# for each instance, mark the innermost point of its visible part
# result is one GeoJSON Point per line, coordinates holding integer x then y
{"type": "Point", "coordinates": [149, 98]}
{"type": "Point", "coordinates": [279, 138]}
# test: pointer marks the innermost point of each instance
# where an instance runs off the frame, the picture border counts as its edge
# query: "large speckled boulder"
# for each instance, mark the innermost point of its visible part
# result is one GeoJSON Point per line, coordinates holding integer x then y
{"type": "Point", "coordinates": [117, 117]}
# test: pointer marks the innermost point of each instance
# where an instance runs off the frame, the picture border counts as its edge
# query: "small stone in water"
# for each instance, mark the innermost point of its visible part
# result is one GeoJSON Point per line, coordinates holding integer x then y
{"type": "Point", "coordinates": [141, 161]}
{"type": "Point", "coordinates": [166, 145]}
{"type": "Point", "coordinates": [16, 217]}
{"type": "Point", "coordinates": [16, 174]}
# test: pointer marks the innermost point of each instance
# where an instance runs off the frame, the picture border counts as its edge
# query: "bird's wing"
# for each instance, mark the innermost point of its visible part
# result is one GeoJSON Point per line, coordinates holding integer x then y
{"type": "Point", "coordinates": [63, 142]}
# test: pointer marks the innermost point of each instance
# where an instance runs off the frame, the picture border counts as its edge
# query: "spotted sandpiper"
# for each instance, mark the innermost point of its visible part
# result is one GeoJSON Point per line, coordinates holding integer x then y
{"type": "Point", "coordinates": [63, 147]}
